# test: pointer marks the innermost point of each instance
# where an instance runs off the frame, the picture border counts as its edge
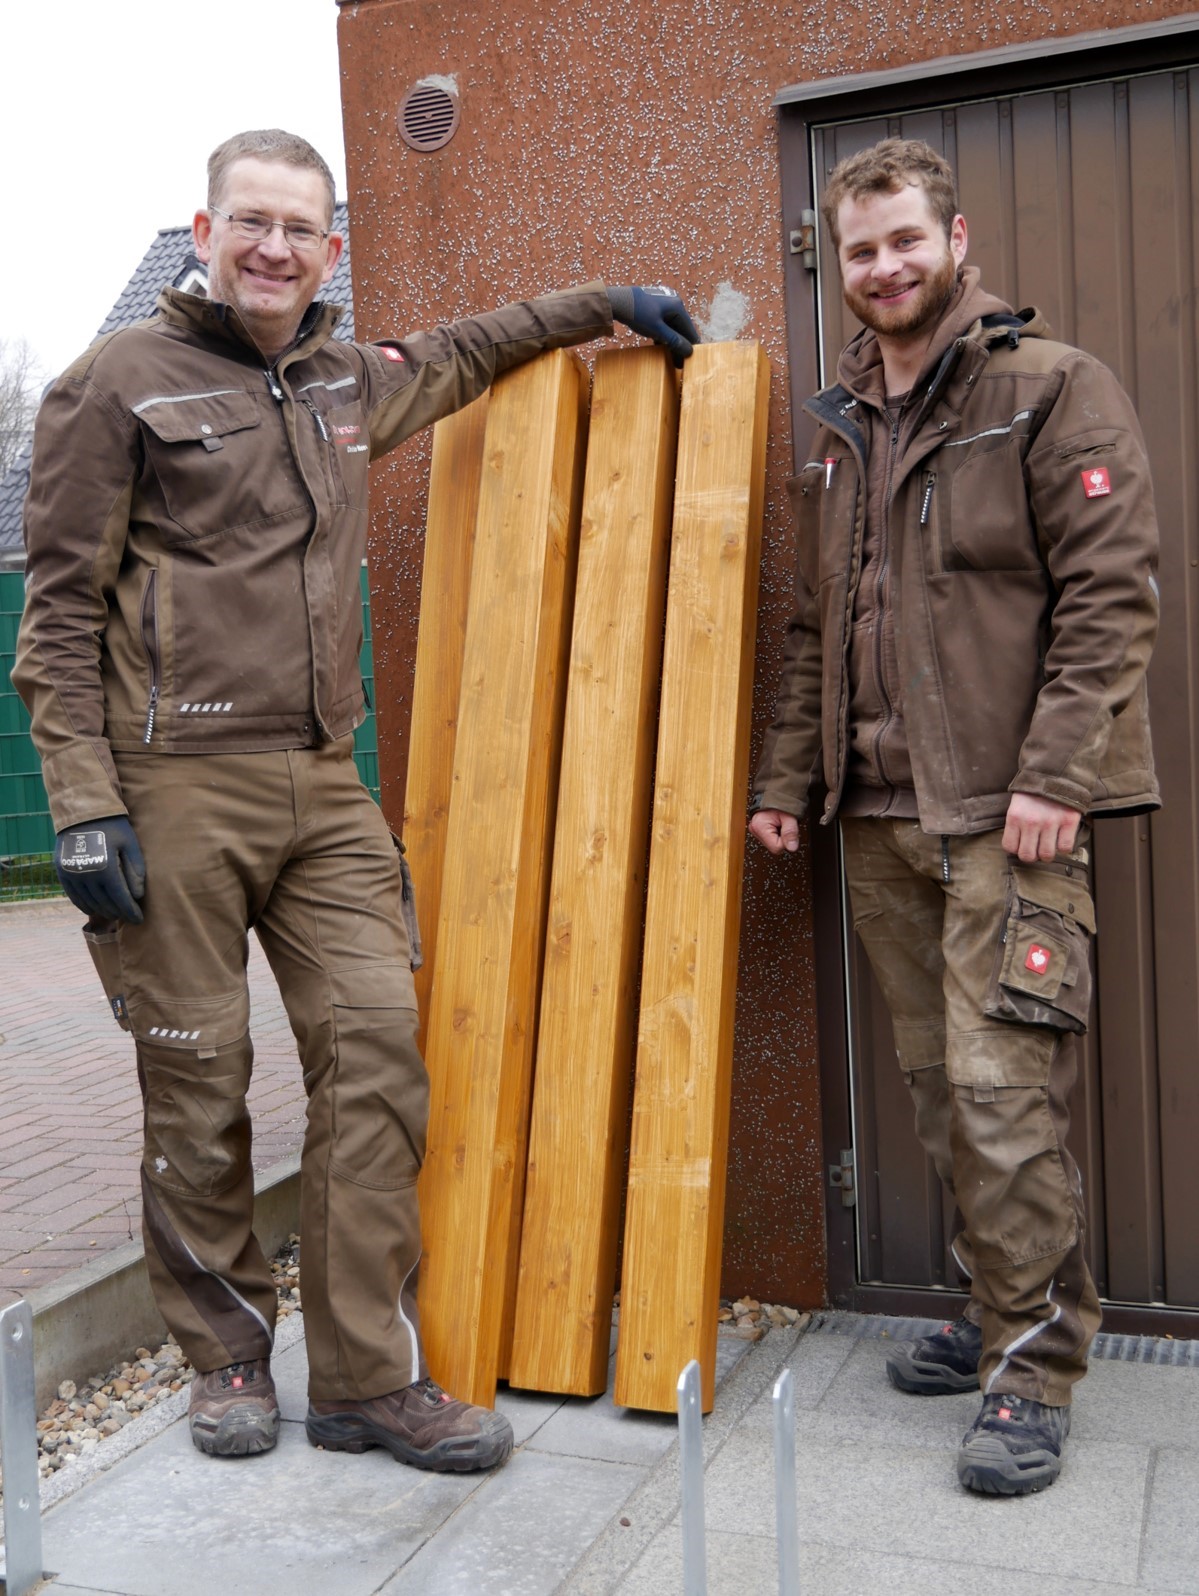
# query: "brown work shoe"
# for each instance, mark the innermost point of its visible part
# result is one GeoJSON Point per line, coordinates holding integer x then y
{"type": "Point", "coordinates": [421, 1424]}
{"type": "Point", "coordinates": [234, 1411]}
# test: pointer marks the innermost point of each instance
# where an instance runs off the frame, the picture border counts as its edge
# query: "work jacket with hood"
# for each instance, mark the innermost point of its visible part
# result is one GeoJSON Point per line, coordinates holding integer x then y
{"type": "Point", "coordinates": [196, 523]}
{"type": "Point", "coordinates": [1020, 585]}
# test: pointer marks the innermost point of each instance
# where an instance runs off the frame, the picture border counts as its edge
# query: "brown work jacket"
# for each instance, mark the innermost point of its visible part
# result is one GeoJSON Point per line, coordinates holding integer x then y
{"type": "Point", "coordinates": [1023, 588]}
{"type": "Point", "coordinates": [196, 524]}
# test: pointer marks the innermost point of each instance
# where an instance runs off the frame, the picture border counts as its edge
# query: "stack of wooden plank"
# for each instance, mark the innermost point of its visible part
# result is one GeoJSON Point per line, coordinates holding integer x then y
{"type": "Point", "coordinates": [586, 639]}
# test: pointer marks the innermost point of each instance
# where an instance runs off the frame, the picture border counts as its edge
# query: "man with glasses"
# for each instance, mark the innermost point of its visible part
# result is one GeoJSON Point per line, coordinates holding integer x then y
{"type": "Point", "coordinates": [195, 525]}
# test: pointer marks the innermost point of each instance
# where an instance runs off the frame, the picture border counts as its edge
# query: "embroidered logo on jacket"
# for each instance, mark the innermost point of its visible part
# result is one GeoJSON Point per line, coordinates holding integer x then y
{"type": "Point", "coordinates": [1096, 482]}
{"type": "Point", "coordinates": [391, 354]}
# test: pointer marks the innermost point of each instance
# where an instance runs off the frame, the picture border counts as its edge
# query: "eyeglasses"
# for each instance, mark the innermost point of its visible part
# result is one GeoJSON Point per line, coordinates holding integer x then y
{"type": "Point", "coordinates": [300, 235]}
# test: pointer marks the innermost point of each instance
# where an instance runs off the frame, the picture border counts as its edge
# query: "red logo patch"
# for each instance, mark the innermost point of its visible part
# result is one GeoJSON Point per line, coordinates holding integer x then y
{"type": "Point", "coordinates": [1038, 959]}
{"type": "Point", "coordinates": [1096, 482]}
{"type": "Point", "coordinates": [394, 354]}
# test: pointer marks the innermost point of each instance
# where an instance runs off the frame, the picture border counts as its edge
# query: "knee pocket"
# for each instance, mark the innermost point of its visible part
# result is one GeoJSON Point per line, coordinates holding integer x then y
{"type": "Point", "coordinates": [1010, 1182]}
{"type": "Point", "coordinates": [197, 1124]}
{"type": "Point", "coordinates": [379, 1097]}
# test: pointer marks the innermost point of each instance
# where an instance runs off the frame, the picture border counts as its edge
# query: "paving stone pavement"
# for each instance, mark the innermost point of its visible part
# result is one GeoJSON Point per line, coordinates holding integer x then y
{"type": "Point", "coordinates": [70, 1110]}
{"type": "Point", "coordinates": [589, 1502]}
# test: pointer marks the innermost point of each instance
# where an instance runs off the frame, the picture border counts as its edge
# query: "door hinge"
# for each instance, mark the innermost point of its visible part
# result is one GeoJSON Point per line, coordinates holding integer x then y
{"type": "Point", "coordinates": [803, 239]}
{"type": "Point", "coordinates": [842, 1176]}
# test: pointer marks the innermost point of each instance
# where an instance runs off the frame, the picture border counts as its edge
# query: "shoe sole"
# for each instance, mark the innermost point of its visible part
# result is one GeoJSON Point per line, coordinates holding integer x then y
{"type": "Point", "coordinates": [458, 1454]}
{"type": "Point", "coordinates": [927, 1379]}
{"type": "Point", "coordinates": [237, 1434]}
{"type": "Point", "coordinates": [988, 1467]}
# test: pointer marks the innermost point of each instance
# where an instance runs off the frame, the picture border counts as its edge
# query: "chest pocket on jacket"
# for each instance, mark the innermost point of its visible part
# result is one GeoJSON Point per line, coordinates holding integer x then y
{"type": "Point", "coordinates": [983, 519]}
{"type": "Point", "coordinates": [216, 463]}
{"type": "Point", "coordinates": [824, 500]}
{"type": "Point", "coordinates": [351, 446]}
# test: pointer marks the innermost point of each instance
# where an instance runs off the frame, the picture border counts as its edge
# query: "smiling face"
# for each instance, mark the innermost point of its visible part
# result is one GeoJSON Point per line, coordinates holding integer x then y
{"type": "Point", "coordinates": [268, 282]}
{"type": "Point", "coordinates": [898, 268]}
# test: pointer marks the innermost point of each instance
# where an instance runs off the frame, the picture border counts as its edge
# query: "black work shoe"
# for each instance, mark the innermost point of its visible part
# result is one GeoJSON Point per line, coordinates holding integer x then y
{"type": "Point", "coordinates": [1014, 1447]}
{"type": "Point", "coordinates": [233, 1411]}
{"type": "Point", "coordinates": [939, 1364]}
{"type": "Point", "coordinates": [421, 1424]}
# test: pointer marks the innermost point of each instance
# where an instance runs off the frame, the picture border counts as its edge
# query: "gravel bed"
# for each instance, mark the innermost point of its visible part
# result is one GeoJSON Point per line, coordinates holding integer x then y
{"type": "Point", "coordinates": [86, 1413]}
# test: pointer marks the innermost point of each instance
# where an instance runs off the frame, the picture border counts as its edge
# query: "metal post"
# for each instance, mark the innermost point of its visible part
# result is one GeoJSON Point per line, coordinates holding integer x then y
{"type": "Point", "coordinates": [691, 1466]}
{"type": "Point", "coordinates": [785, 1519]}
{"type": "Point", "coordinates": [18, 1451]}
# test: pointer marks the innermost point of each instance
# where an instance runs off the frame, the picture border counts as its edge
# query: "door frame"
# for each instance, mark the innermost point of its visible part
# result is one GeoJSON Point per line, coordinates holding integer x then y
{"type": "Point", "coordinates": [1039, 65]}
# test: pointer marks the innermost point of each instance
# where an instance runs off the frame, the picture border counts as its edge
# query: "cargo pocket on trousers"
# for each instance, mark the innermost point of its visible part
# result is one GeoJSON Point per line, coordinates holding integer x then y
{"type": "Point", "coordinates": [416, 955]}
{"type": "Point", "coordinates": [1042, 973]}
{"type": "Point", "coordinates": [102, 944]}
{"type": "Point", "coordinates": [379, 1104]}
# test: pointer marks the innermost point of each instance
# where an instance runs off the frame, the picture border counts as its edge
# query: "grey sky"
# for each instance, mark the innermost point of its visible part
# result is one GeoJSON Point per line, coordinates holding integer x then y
{"type": "Point", "coordinates": [107, 116]}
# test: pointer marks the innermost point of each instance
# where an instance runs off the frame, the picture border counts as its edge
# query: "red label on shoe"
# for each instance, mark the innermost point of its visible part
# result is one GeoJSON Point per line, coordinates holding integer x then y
{"type": "Point", "coordinates": [1005, 1413]}
{"type": "Point", "coordinates": [237, 1382]}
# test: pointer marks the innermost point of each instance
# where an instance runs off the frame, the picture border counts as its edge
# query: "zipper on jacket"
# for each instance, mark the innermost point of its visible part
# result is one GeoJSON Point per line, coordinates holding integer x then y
{"type": "Point", "coordinates": [945, 859]}
{"type": "Point", "coordinates": [318, 418]}
{"type": "Point", "coordinates": [273, 384]}
{"type": "Point", "coordinates": [930, 483]}
{"type": "Point", "coordinates": [881, 579]}
{"type": "Point", "coordinates": [149, 629]}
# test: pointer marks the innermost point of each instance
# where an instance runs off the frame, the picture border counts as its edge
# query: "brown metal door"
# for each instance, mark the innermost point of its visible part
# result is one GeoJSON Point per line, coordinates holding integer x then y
{"type": "Point", "coordinates": [1082, 200]}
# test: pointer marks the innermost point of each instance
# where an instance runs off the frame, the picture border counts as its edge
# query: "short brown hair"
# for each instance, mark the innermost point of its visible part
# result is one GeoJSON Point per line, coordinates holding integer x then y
{"type": "Point", "coordinates": [885, 168]}
{"type": "Point", "coordinates": [266, 144]}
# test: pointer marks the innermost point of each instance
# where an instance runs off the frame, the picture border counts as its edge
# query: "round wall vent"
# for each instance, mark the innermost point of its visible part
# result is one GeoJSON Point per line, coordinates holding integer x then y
{"type": "Point", "coordinates": [428, 117]}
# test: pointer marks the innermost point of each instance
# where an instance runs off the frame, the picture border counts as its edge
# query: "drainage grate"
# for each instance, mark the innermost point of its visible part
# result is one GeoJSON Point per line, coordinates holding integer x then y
{"type": "Point", "coordinates": [1161, 1350]}
{"type": "Point", "coordinates": [428, 117]}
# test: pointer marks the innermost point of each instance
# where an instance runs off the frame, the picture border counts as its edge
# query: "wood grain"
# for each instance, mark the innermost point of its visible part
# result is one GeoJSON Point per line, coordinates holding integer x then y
{"type": "Point", "coordinates": [587, 1029]}
{"type": "Point", "coordinates": [455, 471]}
{"type": "Point", "coordinates": [483, 1004]}
{"type": "Point", "coordinates": [675, 1208]}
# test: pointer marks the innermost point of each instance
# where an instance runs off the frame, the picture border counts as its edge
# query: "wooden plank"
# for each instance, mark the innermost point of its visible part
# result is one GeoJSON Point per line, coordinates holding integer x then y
{"type": "Point", "coordinates": [675, 1212]}
{"type": "Point", "coordinates": [483, 1004]}
{"type": "Point", "coordinates": [586, 1034]}
{"type": "Point", "coordinates": [455, 471]}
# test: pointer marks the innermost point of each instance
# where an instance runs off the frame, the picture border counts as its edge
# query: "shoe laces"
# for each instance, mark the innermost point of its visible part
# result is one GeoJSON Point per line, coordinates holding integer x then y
{"type": "Point", "coordinates": [431, 1391]}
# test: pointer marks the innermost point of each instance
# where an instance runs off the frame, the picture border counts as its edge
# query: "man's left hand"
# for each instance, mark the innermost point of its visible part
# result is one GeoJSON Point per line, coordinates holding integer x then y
{"type": "Point", "coordinates": [1038, 828]}
{"type": "Point", "coordinates": [656, 313]}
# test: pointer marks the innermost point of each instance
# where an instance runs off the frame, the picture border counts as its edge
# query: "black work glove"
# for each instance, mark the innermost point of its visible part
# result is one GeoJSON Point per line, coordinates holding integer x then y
{"type": "Point", "coordinates": [656, 313]}
{"type": "Point", "coordinates": [101, 868]}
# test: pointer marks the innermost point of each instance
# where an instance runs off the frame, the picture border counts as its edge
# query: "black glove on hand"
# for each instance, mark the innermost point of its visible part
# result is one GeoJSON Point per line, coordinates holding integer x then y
{"type": "Point", "coordinates": [656, 313]}
{"type": "Point", "coordinates": [101, 868]}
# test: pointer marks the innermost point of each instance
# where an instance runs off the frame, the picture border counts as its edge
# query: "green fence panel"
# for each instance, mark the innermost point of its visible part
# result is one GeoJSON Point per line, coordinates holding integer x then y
{"type": "Point", "coordinates": [26, 830]}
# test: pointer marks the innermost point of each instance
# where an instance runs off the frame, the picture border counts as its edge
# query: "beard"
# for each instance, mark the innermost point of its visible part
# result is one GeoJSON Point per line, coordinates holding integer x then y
{"type": "Point", "coordinates": [919, 314]}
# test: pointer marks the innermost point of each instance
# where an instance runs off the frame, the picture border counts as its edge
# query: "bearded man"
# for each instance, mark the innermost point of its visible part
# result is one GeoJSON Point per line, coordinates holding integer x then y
{"type": "Point", "coordinates": [965, 677]}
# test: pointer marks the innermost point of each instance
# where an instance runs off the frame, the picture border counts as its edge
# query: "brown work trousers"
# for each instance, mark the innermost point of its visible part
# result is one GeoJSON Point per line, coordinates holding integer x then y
{"type": "Point", "coordinates": [958, 933]}
{"type": "Point", "coordinates": [291, 845]}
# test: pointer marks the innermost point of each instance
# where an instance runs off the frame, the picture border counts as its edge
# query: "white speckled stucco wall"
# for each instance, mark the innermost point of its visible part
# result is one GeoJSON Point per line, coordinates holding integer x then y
{"type": "Point", "coordinates": [633, 140]}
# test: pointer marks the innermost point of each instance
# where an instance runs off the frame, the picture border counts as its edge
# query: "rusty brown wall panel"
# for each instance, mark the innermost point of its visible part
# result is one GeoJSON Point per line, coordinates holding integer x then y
{"type": "Point", "coordinates": [634, 140]}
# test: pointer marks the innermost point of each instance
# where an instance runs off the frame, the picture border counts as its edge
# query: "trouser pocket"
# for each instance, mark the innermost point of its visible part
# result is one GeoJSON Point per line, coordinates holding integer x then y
{"type": "Point", "coordinates": [102, 944]}
{"type": "Point", "coordinates": [1042, 972]}
{"type": "Point", "coordinates": [408, 906]}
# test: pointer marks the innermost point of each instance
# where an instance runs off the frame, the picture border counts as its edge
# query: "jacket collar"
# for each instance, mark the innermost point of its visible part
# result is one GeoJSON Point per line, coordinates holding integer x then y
{"type": "Point", "coordinates": [212, 319]}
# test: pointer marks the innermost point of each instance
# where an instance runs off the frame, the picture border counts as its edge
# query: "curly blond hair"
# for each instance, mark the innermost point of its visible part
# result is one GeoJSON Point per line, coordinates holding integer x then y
{"type": "Point", "coordinates": [885, 168]}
